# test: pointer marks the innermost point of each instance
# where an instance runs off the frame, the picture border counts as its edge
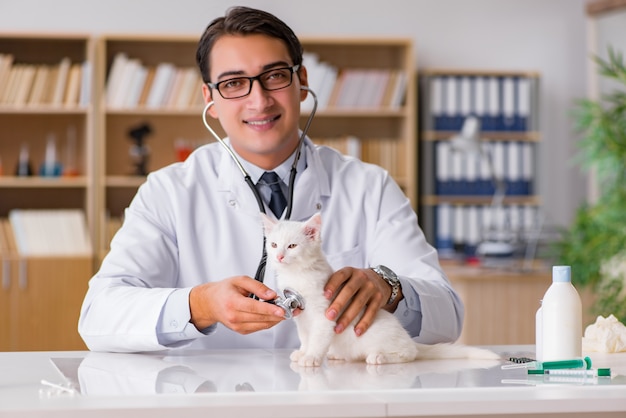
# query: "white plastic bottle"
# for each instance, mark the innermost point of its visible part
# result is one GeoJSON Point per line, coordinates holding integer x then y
{"type": "Point", "coordinates": [561, 318]}
{"type": "Point", "coordinates": [539, 335]}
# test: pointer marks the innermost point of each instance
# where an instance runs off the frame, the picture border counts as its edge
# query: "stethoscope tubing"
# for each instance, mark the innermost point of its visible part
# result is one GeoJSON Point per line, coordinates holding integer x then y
{"type": "Point", "coordinates": [246, 176]}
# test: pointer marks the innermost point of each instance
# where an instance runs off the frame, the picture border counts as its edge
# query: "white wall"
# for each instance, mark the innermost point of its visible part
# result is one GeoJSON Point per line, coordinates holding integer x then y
{"type": "Point", "coordinates": [548, 36]}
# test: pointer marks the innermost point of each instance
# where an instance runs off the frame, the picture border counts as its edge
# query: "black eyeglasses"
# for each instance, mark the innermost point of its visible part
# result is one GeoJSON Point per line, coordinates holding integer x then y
{"type": "Point", "coordinates": [270, 80]}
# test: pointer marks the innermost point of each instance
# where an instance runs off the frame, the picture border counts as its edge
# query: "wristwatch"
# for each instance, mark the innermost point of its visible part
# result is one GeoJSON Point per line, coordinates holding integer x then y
{"type": "Point", "coordinates": [390, 277]}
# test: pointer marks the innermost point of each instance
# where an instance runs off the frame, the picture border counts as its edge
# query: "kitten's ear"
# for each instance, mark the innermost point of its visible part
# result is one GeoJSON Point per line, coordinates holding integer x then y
{"type": "Point", "coordinates": [313, 226]}
{"type": "Point", "coordinates": [268, 223]}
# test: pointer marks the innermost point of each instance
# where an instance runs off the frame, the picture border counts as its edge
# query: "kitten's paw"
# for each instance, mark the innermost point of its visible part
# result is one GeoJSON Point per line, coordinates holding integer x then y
{"type": "Point", "coordinates": [376, 358]}
{"type": "Point", "coordinates": [310, 361]}
{"type": "Point", "coordinates": [296, 356]}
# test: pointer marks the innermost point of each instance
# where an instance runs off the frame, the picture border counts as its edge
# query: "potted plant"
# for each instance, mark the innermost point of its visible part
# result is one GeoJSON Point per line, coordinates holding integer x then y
{"type": "Point", "coordinates": [595, 243]}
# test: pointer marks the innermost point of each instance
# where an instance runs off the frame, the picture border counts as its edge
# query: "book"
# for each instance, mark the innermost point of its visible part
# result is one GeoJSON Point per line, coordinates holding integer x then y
{"type": "Point", "coordinates": [6, 63]}
{"type": "Point", "coordinates": [114, 76]}
{"type": "Point", "coordinates": [25, 85]}
{"type": "Point", "coordinates": [187, 88]}
{"type": "Point", "coordinates": [84, 96]}
{"type": "Point", "coordinates": [39, 85]}
{"type": "Point", "coordinates": [137, 79]}
{"type": "Point", "coordinates": [165, 73]}
{"type": "Point", "coordinates": [72, 90]}
{"type": "Point", "coordinates": [61, 81]}
{"type": "Point", "coordinates": [147, 85]}
{"type": "Point", "coordinates": [13, 82]}
{"type": "Point", "coordinates": [50, 232]}
{"type": "Point", "coordinates": [399, 91]}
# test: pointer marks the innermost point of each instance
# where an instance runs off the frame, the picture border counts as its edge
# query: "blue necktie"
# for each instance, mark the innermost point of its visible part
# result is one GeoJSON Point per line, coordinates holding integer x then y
{"type": "Point", "coordinates": [278, 203]}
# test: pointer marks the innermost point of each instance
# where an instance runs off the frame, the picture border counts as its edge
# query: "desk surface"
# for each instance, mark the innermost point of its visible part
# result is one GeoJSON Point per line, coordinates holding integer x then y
{"type": "Point", "coordinates": [263, 383]}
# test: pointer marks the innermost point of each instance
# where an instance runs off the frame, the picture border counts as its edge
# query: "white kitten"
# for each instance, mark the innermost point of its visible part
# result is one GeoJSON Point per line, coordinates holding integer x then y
{"type": "Point", "coordinates": [294, 249]}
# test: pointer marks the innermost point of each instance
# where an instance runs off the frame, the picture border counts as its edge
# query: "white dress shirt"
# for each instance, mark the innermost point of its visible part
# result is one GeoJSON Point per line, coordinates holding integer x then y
{"type": "Point", "coordinates": [198, 221]}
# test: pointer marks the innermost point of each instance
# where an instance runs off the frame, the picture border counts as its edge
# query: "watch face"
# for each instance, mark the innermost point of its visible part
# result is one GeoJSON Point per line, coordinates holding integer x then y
{"type": "Point", "coordinates": [388, 273]}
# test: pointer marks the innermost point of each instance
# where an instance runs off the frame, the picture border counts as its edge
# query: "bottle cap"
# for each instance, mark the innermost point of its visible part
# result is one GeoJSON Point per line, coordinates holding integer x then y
{"type": "Point", "coordinates": [561, 274]}
{"type": "Point", "coordinates": [604, 372]}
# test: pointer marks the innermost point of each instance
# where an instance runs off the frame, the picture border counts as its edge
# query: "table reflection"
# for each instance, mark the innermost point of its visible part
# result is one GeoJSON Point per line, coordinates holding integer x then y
{"type": "Point", "coordinates": [259, 371]}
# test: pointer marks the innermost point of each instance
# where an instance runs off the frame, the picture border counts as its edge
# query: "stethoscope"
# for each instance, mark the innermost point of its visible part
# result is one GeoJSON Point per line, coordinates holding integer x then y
{"type": "Point", "coordinates": [246, 176]}
{"type": "Point", "coordinates": [294, 299]}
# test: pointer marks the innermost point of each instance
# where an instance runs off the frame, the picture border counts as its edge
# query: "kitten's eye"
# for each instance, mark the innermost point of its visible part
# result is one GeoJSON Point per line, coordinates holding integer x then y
{"type": "Point", "coordinates": [292, 246]}
{"type": "Point", "coordinates": [273, 244]}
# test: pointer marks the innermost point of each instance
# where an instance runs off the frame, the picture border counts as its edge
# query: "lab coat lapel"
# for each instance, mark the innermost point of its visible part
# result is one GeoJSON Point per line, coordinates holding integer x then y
{"type": "Point", "coordinates": [312, 186]}
{"type": "Point", "coordinates": [233, 188]}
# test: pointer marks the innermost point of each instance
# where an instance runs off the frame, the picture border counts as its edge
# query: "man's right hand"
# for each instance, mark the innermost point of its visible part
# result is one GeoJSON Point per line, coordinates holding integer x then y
{"type": "Point", "coordinates": [228, 302]}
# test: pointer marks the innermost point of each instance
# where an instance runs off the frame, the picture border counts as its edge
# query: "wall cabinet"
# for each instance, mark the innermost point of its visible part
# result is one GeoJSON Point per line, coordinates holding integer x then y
{"type": "Point", "coordinates": [458, 208]}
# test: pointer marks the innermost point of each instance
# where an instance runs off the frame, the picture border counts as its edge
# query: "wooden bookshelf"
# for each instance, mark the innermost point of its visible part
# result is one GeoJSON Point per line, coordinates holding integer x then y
{"type": "Point", "coordinates": [46, 86]}
{"type": "Point", "coordinates": [386, 134]}
{"type": "Point", "coordinates": [32, 123]}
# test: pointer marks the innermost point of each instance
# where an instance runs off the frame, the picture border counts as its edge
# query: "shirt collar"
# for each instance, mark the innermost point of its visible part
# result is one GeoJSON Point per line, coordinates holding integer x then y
{"type": "Point", "coordinates": [283, 170]}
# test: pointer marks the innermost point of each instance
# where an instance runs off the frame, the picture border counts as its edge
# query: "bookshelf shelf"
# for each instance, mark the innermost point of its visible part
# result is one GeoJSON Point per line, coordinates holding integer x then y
{"type": "Point", "coordinates": [37, 182]}
{"type": "Point", "coordinates": [43, 109]}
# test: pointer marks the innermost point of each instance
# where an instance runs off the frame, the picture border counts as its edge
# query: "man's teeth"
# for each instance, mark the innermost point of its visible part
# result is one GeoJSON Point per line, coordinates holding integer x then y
{"type": "Point", "coordinates": [260, 122]}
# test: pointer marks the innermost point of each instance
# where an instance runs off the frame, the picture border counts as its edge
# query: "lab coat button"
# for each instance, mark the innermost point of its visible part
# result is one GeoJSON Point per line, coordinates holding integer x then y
{"type": "Point", "coordinates": [233, 203]}
{"type": "Point", "coordinates": [319, 206]}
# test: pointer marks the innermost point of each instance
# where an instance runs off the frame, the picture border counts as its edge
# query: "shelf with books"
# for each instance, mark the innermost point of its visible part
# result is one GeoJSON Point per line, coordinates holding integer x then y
{"type": "Point", "coordinates": [150, 101]}
{"type": "Point", "coordinates": [385, 131]}
{"type": "Point", "coordinates": [46, 122]}
{"type": "Point", "coordinates": [492, 185]}
{"type": "Point", "coordinates": [366, 93]}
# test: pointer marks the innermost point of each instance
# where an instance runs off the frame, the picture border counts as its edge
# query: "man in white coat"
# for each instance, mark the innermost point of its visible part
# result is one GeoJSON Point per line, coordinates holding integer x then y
{"type": "Point", "coordinates": [180, 270]}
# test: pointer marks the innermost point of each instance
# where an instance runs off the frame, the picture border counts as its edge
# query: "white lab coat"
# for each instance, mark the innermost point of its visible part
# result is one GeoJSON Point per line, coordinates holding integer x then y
{"type": "Point", "coordinates": [198, 221]}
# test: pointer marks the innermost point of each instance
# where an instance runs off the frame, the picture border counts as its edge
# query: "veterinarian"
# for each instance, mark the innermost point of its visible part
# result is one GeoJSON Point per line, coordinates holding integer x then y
{"type": "Point", "coordinates": [181, 269]}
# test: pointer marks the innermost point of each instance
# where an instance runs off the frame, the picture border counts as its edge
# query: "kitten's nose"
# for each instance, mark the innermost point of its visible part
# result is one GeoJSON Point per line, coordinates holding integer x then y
{"type": "Point", "coordinates": [280, 257]}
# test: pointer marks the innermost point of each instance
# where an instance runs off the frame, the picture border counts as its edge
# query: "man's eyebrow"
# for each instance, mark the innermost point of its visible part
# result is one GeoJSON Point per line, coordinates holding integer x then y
{"type": "Point", "coordinates": [238, 73]}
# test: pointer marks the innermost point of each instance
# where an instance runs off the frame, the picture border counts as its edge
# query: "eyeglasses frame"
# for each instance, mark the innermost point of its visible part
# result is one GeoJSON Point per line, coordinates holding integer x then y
{"type": "Point", "coordinates": [294, 69]}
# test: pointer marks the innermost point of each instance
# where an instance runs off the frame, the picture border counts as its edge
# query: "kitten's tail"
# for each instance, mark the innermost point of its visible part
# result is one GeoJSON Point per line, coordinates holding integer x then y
{"type": "Point", "coordinates": [453, 351]}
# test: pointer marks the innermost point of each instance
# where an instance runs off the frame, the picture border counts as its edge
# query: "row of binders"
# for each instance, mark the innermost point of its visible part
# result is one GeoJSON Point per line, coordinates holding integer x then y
{"type": "Point", "coordinates": [501, 103]}
{"type": "Point", "coordinates": [464, 227]}
{"type": "Point", "coordinates": [50, 232]}
{"type": "Point", "coordinates": [65, 83]}
{"type": "Point", "coordinates": [462, 174]}
{"type": "Point", "coordinates": [131, 84]}
{"type": "Point", "coordinates": [353, 88]}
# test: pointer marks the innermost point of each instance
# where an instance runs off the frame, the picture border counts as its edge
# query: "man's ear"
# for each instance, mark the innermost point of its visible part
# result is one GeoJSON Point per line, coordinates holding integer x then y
{"type": "Point", "coordinates": [304, 81]}
{"type": "Point", "coordinates": [207, 93]}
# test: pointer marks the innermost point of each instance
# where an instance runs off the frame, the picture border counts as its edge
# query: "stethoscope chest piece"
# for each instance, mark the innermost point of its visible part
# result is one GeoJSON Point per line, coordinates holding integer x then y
{"type": "Point", "coordinates": [292, 301]}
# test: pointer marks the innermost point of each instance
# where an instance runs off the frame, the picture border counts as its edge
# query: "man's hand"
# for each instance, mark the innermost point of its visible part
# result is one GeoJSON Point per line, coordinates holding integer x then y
{"type": "Point", "coordinates": [356, 290]}
{"type": "Point", "coordinates": [228, 302]}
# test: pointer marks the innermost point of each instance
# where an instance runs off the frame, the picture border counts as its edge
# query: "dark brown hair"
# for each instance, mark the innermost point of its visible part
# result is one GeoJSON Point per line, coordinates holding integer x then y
{"type": "Point", "coordinates": [245, 21]}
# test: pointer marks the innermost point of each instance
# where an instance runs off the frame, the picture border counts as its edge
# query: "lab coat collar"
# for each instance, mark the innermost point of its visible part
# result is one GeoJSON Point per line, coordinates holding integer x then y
{"type": "Point", "coordinates": [310, 189]}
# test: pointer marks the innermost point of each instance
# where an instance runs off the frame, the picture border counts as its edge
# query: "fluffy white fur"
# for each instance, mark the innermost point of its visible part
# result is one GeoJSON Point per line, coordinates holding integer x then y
{"type": "Point", "coordinates": [295, 251]}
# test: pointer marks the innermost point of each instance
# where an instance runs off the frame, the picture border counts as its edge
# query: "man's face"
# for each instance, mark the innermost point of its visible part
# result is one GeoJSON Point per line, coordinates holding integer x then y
{"type": "Point", "coordinates": [262, 126]}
